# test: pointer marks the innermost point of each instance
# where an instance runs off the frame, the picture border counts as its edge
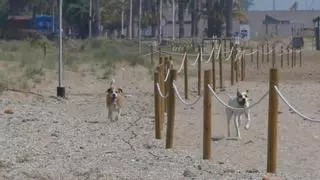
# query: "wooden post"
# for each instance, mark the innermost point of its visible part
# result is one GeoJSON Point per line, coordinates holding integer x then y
{"type": "Point", "coordinates": [272, 122]}
{"type": "Point", "coordinates": [288, 56]}
{"type": "Point", "coordinates": [151, 55]}
{"type": "Point", "coordinates": [251, 55]}
{"type": "Point", "coordinates": [281, 56]}
{"type": "Point", "coordinates": [213, 71]}
{"type": "Point", "coordinates": [207, 111]}
{"type": "Point", "coordinates": [199, 71]}
{"type": "Point", "coordinates": [225, 47]}
{"type": "Point", "coordinates": [236, 68]}
{"type": "Point", "coordinates": [300, 57]}
{"type": "Point", "coordinates": [162, 75]}
{"type": "Point", "coordinates": [220, 68]}
{"type": "Point", "coordinates": [159, 49]}
{"type": "Point", "coordinates": [242, 64]}
{"type": "Point", "coordinates": [262, 58]}
{"type": "Point", "coordinates": [258, 57]}
{"type": "Point", "coordinates": [157, 104]}
{"type": "Point", "coordinates": [292, 59]}
{"type": "Point", "coordinates": [234, 54]}
{"type": "Point", "coordinates": [185, 70]}
{"type": "Point", "coordinates": [268, 52]}
{"type": "Point", "coordinates": [166, 70]}
{"type": "Point", "coordinates": [273, 56]}
{"type": "Point", "coordinates": [295, 57]}
{"type": "Point", "coordinates": [171, 109]}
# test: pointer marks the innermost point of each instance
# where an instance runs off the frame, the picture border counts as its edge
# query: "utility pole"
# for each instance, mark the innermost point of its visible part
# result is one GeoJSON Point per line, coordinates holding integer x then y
{"type": "Point", "coordinates": [130, 21]}
{"type": "Point", "coordinates": [53, 18]}
{"type": "Point", "coordinates": [122, 20]}
{"type": "Point", "coordinates": [60, 89]}
{"type": "Point", "coordinates": [160, 24]}
{"type": "Point", "coordinates": [228, 7]}
{"type": "Point", "coordinates": [173, 19]}
{"type": "Point", "coordinates": [90, 18]}
{"type": "Point", "coordinates": [140, 14]}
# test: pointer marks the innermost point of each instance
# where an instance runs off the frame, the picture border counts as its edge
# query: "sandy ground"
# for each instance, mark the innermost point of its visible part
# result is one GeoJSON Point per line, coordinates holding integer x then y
{"type": "Point", "coordinates": [47, 138]}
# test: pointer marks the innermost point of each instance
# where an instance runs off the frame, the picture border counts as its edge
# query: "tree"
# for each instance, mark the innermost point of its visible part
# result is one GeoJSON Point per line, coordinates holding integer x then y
{"type": "Point", "coordinates": [246, 4]}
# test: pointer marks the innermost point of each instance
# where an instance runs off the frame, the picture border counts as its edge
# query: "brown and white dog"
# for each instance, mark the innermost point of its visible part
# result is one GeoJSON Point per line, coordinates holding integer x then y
{"type": "Point", "coordinates": [114, 100]}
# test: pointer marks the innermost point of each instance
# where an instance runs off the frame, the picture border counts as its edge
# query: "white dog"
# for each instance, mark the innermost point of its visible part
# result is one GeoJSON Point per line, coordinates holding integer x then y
{"type": "Point", "coordinates": [114, 100]}
{"type": "Point", "coordinates": [240, 101]}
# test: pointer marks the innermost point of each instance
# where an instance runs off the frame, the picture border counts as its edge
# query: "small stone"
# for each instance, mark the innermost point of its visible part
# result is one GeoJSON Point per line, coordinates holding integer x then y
{"type": "Point", "coordinates": [81, 147]}
{"type": "Point", "coordinates": [188, 173]}
{"type": "Point", "coordinates": [252, 170]}
{"type": "Point", "coordinates": [8, 111]}
{"type": "Point", "coordinates": [220, 162]}
{"type": "Point", "coordinates": [54, 134]}
{"type": "Point", "coordinates": [229, 171]}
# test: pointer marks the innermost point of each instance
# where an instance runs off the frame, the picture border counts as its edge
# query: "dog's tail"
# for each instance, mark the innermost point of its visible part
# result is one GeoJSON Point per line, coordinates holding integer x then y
{"type": "Point", "coordinates": [112, 82]}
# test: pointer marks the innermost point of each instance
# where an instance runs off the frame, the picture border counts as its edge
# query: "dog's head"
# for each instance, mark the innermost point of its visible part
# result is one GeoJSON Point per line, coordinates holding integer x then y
{"type": "Point", "coordinates": [113, 93]}
{"type": "Point", "coordinates": [242, 97]}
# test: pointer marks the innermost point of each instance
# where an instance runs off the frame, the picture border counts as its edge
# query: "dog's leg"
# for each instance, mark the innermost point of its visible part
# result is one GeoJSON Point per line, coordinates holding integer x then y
{"type": "Point", "coordinates": [118, 114]}
{"type": "Point", "coordinates": [247, 114]}
{"type": "Point", "coordinates": [236, 121]}
{"type": "Point", "coordinates": [110, 114]}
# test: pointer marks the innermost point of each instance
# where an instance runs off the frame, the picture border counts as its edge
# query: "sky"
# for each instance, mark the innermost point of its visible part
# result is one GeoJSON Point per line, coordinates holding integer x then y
{"type": "Point", "coordinates": [286, 4]}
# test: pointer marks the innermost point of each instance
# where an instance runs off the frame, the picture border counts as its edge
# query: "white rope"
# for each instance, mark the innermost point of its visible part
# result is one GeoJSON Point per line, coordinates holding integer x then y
{"type": "Point", "coordinates": [251, 53]}
{"type": "Point", "coordinates": [181, 66]}
{"type": "Point", "coordinates": [167, 75]}
{"type": "Point", "coordinates": [238, 55]}
{"type": "Point", "coordinates": [182, 100]}
{"type": "Point", "coordinates": [291, 107]}
{"type": "Point", "coordinates": [229, 57]}
{"type": "Point", "coordinates": [211, 54]}
{"type": "Point", "coordinates": [195, 62]}
{"type": "Point", "coordinates": [161, 94]}
{"type": "Point", "coordinates": [219, 49]}
{"type": "Point", "coordinates": [267, 52]}
{"type": "Point", "coordinates": [233, 108]}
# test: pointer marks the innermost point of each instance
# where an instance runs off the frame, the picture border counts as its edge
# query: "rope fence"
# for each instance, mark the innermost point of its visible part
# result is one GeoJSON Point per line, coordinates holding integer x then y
{"type": "Point", "coordinates": [166, 91]}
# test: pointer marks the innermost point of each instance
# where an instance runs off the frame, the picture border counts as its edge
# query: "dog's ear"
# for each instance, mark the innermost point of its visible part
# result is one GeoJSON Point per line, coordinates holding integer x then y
{"type": "Point", "coordinates": [109, 90]}
{"type": "Point", "coordinates": [120, 90]}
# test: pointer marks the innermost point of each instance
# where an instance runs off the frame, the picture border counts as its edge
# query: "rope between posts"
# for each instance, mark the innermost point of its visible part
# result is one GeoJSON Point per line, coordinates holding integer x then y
{"type": "Point", "coordinates": [211, 54]}
{"type": "Point", "coordinates": [248, 54]}
{"type": "Point", "coordinates": [291, 107]}
{"type": "Point", "coordinates": [161, 94]}
{"type": "Point", "coordinates": [182, 100]}
{"type": "Point", "coordinates": [197, 59]}
{"type": "Point", "coordinates": [181, 66]}
{"type": "Point", "coordinates": [233, 108]}
{"type": "Point", "coordinates": [167, 75]}
{"type": "Point", "coordinates": [229, 56]}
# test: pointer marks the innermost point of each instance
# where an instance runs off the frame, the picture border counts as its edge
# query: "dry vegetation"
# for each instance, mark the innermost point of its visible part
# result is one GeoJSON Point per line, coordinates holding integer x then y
{"type": "Point", "coordinates": [25, 64]}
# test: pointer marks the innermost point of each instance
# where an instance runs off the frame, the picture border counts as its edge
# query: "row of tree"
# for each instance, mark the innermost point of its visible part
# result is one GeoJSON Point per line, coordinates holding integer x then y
{"type": "Point", "coordinates": [109, 13]}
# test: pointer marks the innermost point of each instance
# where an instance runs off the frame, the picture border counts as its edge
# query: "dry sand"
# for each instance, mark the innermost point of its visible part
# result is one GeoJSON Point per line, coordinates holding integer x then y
{"type": "Point", "coordinates": [46, 138]}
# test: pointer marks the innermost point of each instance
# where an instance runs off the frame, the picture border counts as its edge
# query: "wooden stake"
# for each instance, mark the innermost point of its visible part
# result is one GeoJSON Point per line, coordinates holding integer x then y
{"type": "Point", "coordinates": [272, 122]}
{"type": "Point", "coordinates": [185, 70]}
{"type": "Point", "coordinates": [207, 111]}
{"type": "Point", "coordinates": [199, 71]}
{"type": "Point", "coordinates": [234, 53]}
{"type": "Point", "coordinates": [171, 109]}
{"type": "Point", "coordinates": [157, 104]}
{"type": "Point", "coordinates": [220, 68]}
{"type": "Point", "coordinates": [300, 57]}
{"type": "Point", "coordinates": [258, 66]}
{"type": "Point", "coordinates": [281, 56]}
{"type": "Point", "coordinates": [213, 71]}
